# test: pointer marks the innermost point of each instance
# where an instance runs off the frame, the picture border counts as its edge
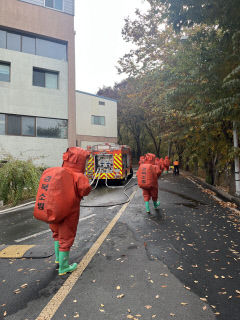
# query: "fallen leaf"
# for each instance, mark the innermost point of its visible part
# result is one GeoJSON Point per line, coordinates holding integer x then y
{"type": "Point", "coordinates": [148, 307]}
{"type": "Point", "coordinates": [203, 299]}
{"type": "Point", "coordinates": [120, 296]}
{"type": "Point", "coordinates": [130, 316]}
{"type": "Point", "coordinates": [154, 316]}
{"type": "Point", "coordinates": [118, 287]}
{"type": "Point", "coordinates": [101, 310]}
{"type": "Point", "coordinates": [184, 303]}
{"type": "Point", "coordinates": [157, 296]}
{"type": "Point", "coordinates": [205, 307]}
{"type": "Point", "coordinates": [76, 315]}
{"type": "Point", "coordinates": [5, 313]}
{"type": "Point", "coordinates": [216, 277]}
{"type": "Point", "coordinates": [24, 285]}
{"type": "Point", "coordinates": [172, 314]}
{"type": "Point", "coordinates": [101, 305]}
{"type": "Point", "coordinates": [237, 291]}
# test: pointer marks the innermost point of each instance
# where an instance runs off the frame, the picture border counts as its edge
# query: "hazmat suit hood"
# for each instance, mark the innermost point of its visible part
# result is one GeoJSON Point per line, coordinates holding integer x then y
{"type": "Point", "coordinates": [75, 158]}
{"type": "Point", "coordinates": [150, 158]}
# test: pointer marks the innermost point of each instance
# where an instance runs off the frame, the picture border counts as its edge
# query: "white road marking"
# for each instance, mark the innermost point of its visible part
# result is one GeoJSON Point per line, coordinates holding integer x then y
{"type": "Point", "coordinates": [46, 231]}
{"type": "Point", "coordinates": [32, 236]}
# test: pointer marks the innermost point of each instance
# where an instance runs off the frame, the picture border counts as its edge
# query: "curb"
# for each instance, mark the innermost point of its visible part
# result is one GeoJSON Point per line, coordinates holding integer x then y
{"type": "Point", "coordinates": [2, 211]}
{"type": "Point", "coordinates": [224, 195]}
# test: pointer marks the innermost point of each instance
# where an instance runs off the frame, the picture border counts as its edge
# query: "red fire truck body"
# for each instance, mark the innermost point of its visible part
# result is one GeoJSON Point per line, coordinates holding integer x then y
{"type": "Point", "coordinates": [109, 161]}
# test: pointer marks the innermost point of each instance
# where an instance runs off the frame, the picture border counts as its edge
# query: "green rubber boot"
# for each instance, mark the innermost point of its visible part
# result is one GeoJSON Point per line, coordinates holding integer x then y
{"type": "Point", "coordinates": [147, 206]}
{"type": "Point", "coordinates": [64, 266]}
{"type": "Point", "coordinates": [156, 204]}
{"type": "Point", "coordinates": [56, 249]}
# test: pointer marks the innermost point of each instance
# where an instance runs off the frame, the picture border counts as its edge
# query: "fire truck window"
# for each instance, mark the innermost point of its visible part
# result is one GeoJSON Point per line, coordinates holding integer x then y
{"type": "Point", "coordinates": [125, 164]}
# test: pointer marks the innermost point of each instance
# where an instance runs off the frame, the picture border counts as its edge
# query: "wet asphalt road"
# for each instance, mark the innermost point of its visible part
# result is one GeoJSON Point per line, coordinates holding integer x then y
{"type": "Point", "coordinates": [182, 261]}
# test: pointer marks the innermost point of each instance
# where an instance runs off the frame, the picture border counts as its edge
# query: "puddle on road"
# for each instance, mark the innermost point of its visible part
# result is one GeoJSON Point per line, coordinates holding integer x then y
{"type": "Point", "coordinates": [193, 202]}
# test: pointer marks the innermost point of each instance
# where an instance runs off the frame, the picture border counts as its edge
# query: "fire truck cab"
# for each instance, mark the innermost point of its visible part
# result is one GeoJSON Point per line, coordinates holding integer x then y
{"type": "Point", "coordinates": [109, 161]}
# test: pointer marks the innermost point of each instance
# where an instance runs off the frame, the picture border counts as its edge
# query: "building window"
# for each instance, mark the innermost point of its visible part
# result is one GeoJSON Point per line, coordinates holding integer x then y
{"type": "Point", "coordinates": [55, 4]}
{"type": "Point", "coordinates": [18, 125]}
{"type": "Point", "coordinates": [13, 41]}
{"type": "Point", "coordinates": [52, 128]}
{"type": "Point", "coordinates": [4, 71]}
{"type": "Point", "coordinates": [14, 125]}
{"type": "Point", "coordinates": [28, 126]}
{"type": "Point", "coordinates": [51, 49]}
{"type": "Point", "coordinates": [3, 39]}
{"type": "Point", "coordinates": [28, 45]}
{"type": "Point", "coordinates": [46, 79]}
{"type": "Point", "coordinates": [98, 120]}
{"type": "Point", "coordinates": [101, 103]}
{"type": "Point", "coordinates": [33, 45]}
{"type": "Point", "coordinates": [2, 123]}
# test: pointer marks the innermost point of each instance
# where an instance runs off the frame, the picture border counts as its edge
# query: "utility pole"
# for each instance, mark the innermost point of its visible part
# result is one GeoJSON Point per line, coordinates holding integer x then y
{"type": "Point", "coordinates": [237, 173]}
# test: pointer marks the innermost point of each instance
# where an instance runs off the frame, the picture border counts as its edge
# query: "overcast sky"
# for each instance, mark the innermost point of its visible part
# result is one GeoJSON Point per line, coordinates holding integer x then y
{"type": "Point", "coordinates": [99, 43]}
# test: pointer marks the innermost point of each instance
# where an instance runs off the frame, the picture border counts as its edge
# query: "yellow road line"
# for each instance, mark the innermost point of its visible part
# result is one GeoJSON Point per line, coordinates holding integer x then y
{"type": "Point", "coordinates": [49, 311]}
{"type": "Point", "coordinates": [15, 251]}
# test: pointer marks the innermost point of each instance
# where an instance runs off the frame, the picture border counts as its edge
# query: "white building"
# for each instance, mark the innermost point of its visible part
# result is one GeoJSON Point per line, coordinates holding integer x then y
{"type": "Point", "coordinates": [96, 119]}
{"type": "Point", "coordinates": [37, 79]}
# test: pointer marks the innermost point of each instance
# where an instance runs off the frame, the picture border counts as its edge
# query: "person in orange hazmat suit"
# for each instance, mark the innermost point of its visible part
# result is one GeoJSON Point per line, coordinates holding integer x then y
{"type": "Point", "coordinates": [147, 175]}
{"type": "Point", "coordinates": [64, 232]}
{"type": "Point", "coordinates": [166, 163]}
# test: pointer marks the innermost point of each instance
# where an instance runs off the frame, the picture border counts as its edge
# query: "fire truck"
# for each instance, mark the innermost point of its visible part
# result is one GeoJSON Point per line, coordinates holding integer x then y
{"type": "Point", "coordinates": [109, 161]}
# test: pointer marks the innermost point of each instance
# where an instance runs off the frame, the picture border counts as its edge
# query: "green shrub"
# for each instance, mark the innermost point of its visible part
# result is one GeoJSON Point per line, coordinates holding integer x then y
{"type": "Point", "coordinates": [18, 181]}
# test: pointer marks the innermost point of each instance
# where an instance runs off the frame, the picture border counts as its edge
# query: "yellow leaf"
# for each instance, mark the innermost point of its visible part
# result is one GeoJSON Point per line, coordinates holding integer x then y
{"type": "Point", "coordinates": [216, 277]}
{"type": "Point", "coordinates": [118, 287]}
{"type": "Point", "coordinates": [101, 305]}
{"type": "Point", "coordinates": [154, 316]}
{"type": "Point", "coordinates": [101, 310]}
{"type": "Point", "coordinates": [148, 307]}
{"type": "Point", "coordinates": [203, 299]}
{"type": "Point", "coordinates": [138, 315]}
{"type": "Point", "coordinates": [205, 308]}
{"type": "Point", "coordinates": [120, 296]}
{"type": "Point", "coordinates": [172, 314]}
{"type": "Point", "coordinates": [157, 296]}
{"type": "Point", "coordinates": [5, 313]}
{"type": "Point", "coordinates": [237, 291]}
{"type": "Point", "coordinates": [184, 303]}
{"type": "Point", "coordinates": [130, 316]}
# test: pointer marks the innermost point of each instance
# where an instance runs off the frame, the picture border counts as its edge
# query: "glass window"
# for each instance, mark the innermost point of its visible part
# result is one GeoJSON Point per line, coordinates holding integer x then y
{"type": "Point", "coordinates": [58, 4]}
{"type": "Point", "coordinates": [13, 41]}
{"type": "Point", "coordinates": [2, 123]}
{"type": "Point", "coordinates": [47, 79]}
{"type": "Point", "coordinates": [13, 125]}
{"type": "Point", "coordinates": [28, 126]}
{"type": "Point", "coordinates": [4, 71]}
{"type": "Point", "coordinates": [28, 44]}
{"type": "Point", "coordinates": [98, 120]}
{"type": "Point", "coordinates": [49, 3]}
{"type": "Point", "coordinates": [51, 49]}
{"type": "Point", "coordinates": [52, 128]}
{"type": "Point", "coordinates": [51, 80]}
{"type": "Point", "coordinates": [38, 78]}
{"type": "Point", "coordinates": [3, 39]}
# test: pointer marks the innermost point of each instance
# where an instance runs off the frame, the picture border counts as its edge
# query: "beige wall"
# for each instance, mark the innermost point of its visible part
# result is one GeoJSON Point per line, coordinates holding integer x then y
{"type": "Point", "coordinates": [86, 106]}
{"type": "Point", "coordinates": [40, 150]}
{"type": "Point", "coordinates": [19, 96]}
{"type": "Point", "coordinates": [42, 21]}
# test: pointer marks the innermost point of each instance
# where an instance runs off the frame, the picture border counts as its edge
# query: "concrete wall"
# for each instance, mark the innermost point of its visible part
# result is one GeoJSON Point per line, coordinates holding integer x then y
{"type": "Point", "coordinates": [88, 105]}
{"type": "Point", "coordinates": [19, 96]}
{"type": "Point", "coordinates": [43, 151]}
